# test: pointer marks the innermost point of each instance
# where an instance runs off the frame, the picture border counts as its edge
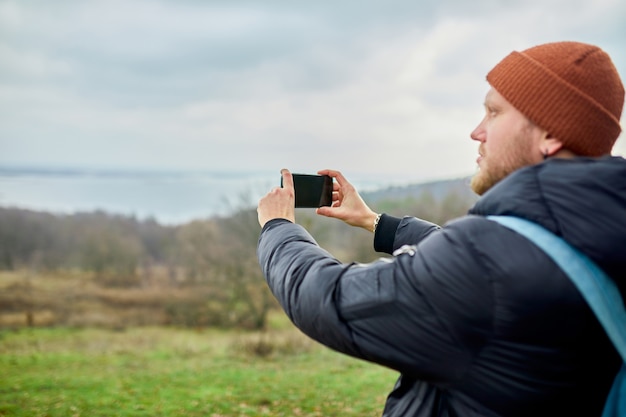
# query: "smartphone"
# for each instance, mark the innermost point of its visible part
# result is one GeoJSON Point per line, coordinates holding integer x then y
{"type": "Point", "coordinates": [312, 191]}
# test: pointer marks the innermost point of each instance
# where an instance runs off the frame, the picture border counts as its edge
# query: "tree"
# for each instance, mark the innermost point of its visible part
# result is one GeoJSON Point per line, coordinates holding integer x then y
{"type": "Point", "coordinates": [112, 251]}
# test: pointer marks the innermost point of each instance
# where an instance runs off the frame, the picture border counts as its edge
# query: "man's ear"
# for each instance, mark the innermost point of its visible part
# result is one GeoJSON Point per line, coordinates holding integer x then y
{"type": "Point", "coordinates": [550, 145]}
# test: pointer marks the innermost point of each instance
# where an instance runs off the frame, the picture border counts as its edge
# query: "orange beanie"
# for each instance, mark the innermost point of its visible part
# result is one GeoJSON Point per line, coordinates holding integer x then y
{"type": "Point", "coordinates": [570, 89]}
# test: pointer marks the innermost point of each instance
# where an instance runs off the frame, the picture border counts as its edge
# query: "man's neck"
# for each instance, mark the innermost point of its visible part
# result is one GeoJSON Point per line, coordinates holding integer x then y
{"type": "Point", "coordinates": [564, 153]}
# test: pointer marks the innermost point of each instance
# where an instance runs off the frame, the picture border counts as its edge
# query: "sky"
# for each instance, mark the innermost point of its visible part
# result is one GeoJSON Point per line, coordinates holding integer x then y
{"type": "Point", "coordinates": [390, 88]}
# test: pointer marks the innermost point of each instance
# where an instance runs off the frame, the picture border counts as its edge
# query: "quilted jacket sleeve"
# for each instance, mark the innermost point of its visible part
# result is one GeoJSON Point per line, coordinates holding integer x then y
{"type": "Point", "coordinates": [415, 313]}
{"type": "Point", "coordinates": [393, 232]}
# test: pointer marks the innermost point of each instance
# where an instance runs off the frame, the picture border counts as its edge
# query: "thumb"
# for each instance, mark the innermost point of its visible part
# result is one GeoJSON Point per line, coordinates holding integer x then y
{"type": "Point", "coordinates": [324, 211]}
{"type": "Point", "coordinates": [329, 211]}
{"type": "Point", "coordinates": [287, 179]}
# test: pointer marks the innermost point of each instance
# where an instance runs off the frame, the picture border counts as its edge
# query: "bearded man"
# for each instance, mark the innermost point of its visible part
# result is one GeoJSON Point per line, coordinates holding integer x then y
{"type": "Point", "coordinates": [478, 320]}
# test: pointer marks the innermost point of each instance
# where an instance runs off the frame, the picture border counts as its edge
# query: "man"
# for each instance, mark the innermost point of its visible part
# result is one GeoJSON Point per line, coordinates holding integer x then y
{"type": "Point", "coordinates": [477, 319]}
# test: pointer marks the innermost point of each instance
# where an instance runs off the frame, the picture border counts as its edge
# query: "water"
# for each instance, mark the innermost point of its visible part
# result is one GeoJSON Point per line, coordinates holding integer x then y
{"type": "Point", "coordinates": [170, 198]}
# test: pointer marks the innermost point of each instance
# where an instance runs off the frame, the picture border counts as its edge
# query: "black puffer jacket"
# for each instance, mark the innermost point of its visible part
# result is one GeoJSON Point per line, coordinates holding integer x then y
{"type": "Point", "coordinates": [478, 321]}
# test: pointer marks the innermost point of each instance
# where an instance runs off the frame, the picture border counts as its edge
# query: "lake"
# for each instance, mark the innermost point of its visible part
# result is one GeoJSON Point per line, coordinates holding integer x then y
{"type": "Point", "coordinates": [170, 198]}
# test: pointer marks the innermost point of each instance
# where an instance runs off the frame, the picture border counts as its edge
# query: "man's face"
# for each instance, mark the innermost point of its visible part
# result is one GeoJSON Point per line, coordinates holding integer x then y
{"type": "Point", "coordinates": [508, 141]}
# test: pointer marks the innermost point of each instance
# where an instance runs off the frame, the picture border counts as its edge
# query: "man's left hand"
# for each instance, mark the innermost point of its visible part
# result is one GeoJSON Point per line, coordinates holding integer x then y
{"type": "Point", "coordinates": [279, 203]}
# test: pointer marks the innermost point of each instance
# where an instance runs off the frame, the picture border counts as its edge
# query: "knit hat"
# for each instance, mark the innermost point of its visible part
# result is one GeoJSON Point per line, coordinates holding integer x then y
{"type": "Point", "coordinates": [570, 89]}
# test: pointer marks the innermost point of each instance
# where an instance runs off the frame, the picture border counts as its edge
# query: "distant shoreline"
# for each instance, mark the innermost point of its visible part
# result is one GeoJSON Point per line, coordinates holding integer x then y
{"type": "Point", "coordinates": [169, 197]}
{"type": "Point", "coordinates": [124, 173]}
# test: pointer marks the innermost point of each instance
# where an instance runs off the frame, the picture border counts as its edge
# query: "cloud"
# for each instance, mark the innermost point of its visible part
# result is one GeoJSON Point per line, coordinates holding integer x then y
{"type": "Point", "coordinates": [393, 87]}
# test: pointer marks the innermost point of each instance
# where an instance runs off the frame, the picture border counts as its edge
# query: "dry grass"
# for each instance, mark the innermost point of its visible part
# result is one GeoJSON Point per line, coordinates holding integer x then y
{"type": "Point", "coordinates": [75, 299]}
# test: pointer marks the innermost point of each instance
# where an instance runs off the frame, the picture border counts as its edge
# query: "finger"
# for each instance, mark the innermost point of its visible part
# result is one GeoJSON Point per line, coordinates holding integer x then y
{"type": "Point", "coordinates": [330, 172]}
{"type": "Point", "coordinates": [287, 179]}
{"type": "Point", "coordinates": [336, 200]}
{"type": "Point", "coordinates": [341, 180]}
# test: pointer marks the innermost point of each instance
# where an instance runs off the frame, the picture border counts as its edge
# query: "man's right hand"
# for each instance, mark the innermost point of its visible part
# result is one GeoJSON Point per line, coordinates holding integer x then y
{"type": "Point", "coordinates": [347, 203]}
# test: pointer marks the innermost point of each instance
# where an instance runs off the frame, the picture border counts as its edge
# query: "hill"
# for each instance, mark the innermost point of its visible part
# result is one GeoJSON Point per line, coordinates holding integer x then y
{"type": "Point", "coordinates": [437, 190]}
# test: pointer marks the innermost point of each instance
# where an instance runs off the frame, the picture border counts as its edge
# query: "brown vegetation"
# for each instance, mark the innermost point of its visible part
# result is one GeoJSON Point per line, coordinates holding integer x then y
{"type": "Point", "coordinates": [98, 269]}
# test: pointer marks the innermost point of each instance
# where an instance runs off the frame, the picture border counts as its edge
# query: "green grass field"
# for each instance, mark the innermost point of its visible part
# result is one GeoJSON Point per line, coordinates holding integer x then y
{"type": "Point", "coordinates": [182, 372]}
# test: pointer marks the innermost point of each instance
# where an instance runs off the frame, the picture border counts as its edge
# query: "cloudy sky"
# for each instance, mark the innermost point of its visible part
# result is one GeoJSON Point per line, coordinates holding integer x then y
{"type": "Point", "coordinates": [389, 87]}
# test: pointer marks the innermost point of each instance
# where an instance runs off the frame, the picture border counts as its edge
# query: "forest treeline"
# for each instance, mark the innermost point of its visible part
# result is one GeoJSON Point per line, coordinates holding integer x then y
{"type": "Point", "coordinates": [202, 273]}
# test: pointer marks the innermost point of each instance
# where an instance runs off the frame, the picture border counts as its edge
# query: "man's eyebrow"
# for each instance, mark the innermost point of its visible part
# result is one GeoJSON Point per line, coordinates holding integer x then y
{"type": "Point", "coordinates": [488, 99]}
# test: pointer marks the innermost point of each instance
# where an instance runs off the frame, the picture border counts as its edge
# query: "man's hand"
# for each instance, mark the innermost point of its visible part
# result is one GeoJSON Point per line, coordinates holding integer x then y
{"type": "Point", "coordinates": [347, 203]}
{"type": "Point", "coordinates": [279, 203]}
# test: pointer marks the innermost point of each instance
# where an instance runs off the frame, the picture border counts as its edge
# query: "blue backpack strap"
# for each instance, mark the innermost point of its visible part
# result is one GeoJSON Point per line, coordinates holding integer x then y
{"type": "Point", "coordinates": [615, 405]}
{"type": "Point", "coordinates": [600, 292]}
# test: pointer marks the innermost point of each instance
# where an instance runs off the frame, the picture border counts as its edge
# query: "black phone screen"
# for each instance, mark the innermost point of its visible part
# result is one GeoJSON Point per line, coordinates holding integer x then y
{"type": "Point", "coordinates": [312, 191]}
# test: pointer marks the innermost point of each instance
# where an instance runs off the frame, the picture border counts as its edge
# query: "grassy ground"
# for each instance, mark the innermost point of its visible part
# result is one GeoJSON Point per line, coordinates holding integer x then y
{"type": "Point", "coordinates": [181, 372]}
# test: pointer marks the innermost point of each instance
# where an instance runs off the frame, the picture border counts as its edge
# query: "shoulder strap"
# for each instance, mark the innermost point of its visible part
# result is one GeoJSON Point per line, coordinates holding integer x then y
{"type": "Point", "coordinates": [597, 288]}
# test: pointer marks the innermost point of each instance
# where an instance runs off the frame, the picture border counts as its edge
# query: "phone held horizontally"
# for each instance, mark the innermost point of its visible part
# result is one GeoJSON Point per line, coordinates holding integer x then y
{"type": "Point", "coordinates": [312, 191]}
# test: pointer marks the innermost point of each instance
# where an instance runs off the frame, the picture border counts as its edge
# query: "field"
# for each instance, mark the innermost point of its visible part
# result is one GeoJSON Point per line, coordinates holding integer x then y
{"type": "Point", "coordinates": [70, 347]}
{"type": "Point", "coordinates": [159, 371]}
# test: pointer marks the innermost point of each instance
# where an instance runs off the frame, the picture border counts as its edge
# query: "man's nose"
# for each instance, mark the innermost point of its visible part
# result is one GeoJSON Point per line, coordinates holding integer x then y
{"type": "Point", "coordinates": [479, 133]}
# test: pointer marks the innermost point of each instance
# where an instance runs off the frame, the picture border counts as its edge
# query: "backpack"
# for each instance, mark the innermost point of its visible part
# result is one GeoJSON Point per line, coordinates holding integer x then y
{"type": "Point", "coordinates": [597, 289]}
